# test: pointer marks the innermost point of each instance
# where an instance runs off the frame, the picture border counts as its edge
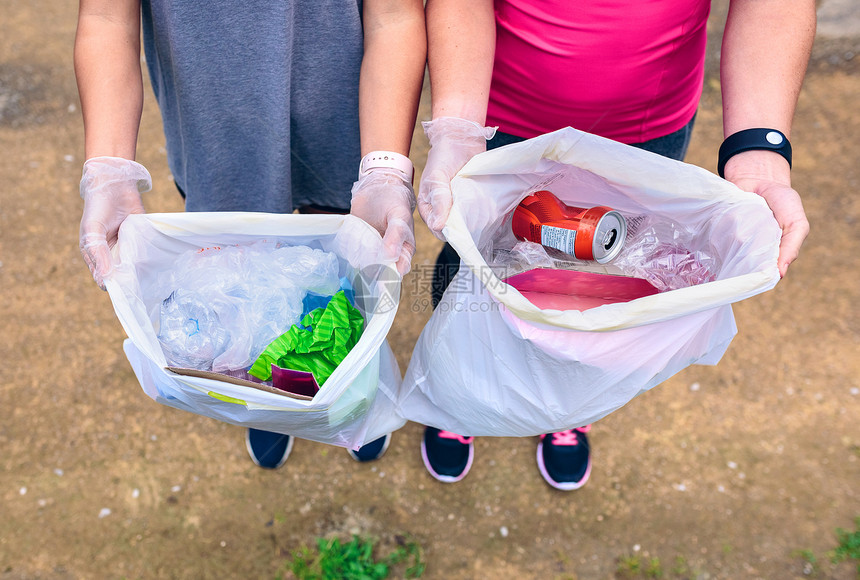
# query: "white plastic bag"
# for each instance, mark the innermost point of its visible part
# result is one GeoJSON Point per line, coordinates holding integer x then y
{"type": "Point", "coordinates": [353, 407]}
{"type": "Point", "coordinates": [489, 362]}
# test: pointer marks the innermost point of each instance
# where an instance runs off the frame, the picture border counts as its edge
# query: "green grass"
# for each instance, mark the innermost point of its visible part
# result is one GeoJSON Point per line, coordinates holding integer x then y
{"type": "Point", "coordinates": [638, 567]}
{"type": "Point", "coordinates": [353, 560]}
{"type": "Point", "coordinates": [848, 548]}
{"type": "Point", "coordinates": [849, 545]}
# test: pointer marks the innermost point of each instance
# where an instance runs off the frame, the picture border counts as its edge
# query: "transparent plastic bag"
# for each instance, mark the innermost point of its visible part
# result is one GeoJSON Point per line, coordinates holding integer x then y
{"type": "Point", "coordinates": [659, 252]}
{"type": "Point", "coordinates": [224, 305]}
{"type": "Point", "coordinates": [522, 257]}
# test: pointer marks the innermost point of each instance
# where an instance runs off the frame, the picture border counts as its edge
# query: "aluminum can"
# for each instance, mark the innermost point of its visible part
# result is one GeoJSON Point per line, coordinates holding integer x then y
{"type": "Point", "coordinates": [593, 233]}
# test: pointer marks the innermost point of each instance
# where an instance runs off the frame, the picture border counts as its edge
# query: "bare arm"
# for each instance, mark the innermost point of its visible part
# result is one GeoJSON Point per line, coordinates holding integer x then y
{"type": "Point", "coordinates": [392, 72]}
{"type": "Point", "coordinates": [461, 44]}
{"type": "Point", "coordinates": [107, 67]}
{"type": "Point", "coordinates": [766, 47]}
{"type": "Point", "coordinates": [395, 51]}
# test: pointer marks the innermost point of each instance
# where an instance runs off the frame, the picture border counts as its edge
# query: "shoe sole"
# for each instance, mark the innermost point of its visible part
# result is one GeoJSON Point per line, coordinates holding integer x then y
{"type": "Point", "coordinates": [381, 453]}
{"type": "Point", "coordinates": [563, 486]}
{"type": "Point", "coordinates": [283, 460]}
{"type": "Point", "coordinates": [447, 478]}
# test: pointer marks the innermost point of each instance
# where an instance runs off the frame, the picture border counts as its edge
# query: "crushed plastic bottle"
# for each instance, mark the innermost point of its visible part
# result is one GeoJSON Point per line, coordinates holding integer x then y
{"type": "Point", "coordinates": [191, 333]}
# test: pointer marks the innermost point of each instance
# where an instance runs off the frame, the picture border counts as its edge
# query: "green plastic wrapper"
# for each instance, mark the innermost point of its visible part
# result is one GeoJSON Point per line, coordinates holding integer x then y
{"type": "Point", "coordinates": [318, 345]}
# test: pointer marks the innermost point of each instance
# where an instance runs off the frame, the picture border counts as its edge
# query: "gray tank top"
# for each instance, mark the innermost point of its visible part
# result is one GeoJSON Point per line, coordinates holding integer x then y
{"type": "Point", "coordinates": [259, 99]}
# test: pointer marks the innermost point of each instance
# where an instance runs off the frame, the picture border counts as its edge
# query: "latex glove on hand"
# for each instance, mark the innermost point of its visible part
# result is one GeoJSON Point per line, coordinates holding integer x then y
{"type": "Point", "coordinates": [768, 175]}
{"type": "Point", "coordinates": [384, 198]}
{"type": "Point", "coordinates": [110, 188]}
{"type": "Point", "coordinates": [453, 142]}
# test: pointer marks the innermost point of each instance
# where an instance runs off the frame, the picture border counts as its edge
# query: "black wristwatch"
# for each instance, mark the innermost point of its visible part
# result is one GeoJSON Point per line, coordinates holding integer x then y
{"type": "Point", "coordinates": [753, 139]}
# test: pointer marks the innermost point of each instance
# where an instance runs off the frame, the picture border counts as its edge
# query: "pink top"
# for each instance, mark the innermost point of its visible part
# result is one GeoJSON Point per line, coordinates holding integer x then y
{"type": "Point", "coordinates": [629, 71]}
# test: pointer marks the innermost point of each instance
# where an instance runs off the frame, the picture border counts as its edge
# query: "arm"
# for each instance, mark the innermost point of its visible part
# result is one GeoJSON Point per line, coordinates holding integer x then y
{"type": "Point", "coordinates": [392, 72]}
{"type": "Point", "coordinates": [461, 39]}
{"type": "Point", "coordinates": [766, 47]}
{"type": "Point", "coordinates": [107, 67]}
{"type": "Point", "coordinates": [461, 46]}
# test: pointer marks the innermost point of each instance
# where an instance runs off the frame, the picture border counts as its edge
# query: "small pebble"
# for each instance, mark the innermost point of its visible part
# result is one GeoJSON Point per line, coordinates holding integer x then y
{"type": "Point", "coordinates": [105, 512]}
{"type": "Point", "coordinates": [503, 531]}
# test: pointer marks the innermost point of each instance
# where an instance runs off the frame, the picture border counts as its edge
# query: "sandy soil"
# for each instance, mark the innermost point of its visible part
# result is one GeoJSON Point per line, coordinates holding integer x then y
{"type": "Point", "coordinates": [721, 472]}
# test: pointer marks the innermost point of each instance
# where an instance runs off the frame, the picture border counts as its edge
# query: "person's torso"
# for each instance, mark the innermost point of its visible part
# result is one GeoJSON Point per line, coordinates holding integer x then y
{"type": "Point", "coordinates": [629, 71]}
{"type": "Point", "coordinates": [259, 99]}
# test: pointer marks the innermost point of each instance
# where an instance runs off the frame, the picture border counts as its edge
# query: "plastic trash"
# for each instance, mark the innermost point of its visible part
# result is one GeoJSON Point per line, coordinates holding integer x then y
{"type": "Point", "coordinates": [224, 305]}
{"type": "Point", "coordinates": [318, 345]}
{"type": "Point", "coordinates": [655, 250]}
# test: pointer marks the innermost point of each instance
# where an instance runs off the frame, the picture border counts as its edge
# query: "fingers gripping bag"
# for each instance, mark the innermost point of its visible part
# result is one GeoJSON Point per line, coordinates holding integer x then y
{"type": "Point", "coordinates": [504, 358]}
{"type": "Point", "coordinates": [202, 297]}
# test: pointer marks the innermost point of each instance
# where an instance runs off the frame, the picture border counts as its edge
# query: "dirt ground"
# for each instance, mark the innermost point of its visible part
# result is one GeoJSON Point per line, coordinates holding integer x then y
{"type": "Point", "coordinates": [721, 472]}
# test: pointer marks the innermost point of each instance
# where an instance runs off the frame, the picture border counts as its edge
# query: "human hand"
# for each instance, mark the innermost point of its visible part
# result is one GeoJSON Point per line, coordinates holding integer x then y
{"type": "Point", "coordinates": [110, 188]}
{"type": "Point", "coordinates": [453, 142]}
{"type": "Point", "coordinates": [384, 198]}
{"type": "Point", "coordinates": [767, 174]}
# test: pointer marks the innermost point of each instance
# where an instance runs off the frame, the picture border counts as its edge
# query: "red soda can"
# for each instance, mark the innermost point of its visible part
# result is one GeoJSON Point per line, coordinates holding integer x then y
{"type": "Point", "coordinates": [595, 233]}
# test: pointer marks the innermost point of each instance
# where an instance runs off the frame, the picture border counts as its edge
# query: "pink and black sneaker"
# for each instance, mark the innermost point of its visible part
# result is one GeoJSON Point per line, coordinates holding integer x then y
{"type": "Point", "coordinates": [447, 456]}
{"type": "Point", "coordinates": [564, 458]}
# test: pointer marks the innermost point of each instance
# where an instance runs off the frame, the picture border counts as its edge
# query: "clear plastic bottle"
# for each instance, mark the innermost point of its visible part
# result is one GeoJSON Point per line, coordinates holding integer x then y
{"type": "Point", "coordinates": [190, 331]}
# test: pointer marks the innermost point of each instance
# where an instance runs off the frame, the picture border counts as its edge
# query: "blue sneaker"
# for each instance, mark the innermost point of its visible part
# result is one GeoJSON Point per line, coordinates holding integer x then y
{"type": "Point", "coordinates": [371, 451]}
{"type": "Point", "coordinates": [564, 458]}
{"type": "Point", "coordinates": [268, 450]}
{"type": "Point", "coordinates": [446, 455]}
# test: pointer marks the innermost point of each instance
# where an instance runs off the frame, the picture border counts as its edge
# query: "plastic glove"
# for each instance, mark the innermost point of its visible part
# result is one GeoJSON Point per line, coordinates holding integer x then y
{"type": "Point", "coordinates": [385, 200]}
{"type": "Point", "coordinates": [453, 142]}
{"type": "Point", "coordinates": [110, 188]}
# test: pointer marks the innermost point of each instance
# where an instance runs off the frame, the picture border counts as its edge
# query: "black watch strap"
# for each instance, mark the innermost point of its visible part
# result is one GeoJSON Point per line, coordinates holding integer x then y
{"type": "Point", "coordinates": [752, 139]}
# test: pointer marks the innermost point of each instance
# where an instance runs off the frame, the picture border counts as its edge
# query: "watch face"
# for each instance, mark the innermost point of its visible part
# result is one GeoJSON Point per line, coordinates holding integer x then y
{"type": "Point", "coordinates": [774, 138]}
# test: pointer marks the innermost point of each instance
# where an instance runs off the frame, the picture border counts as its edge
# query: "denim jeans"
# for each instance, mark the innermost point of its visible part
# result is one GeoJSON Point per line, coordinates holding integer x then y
{"type": "Point", "coordinates": [674, 145]}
